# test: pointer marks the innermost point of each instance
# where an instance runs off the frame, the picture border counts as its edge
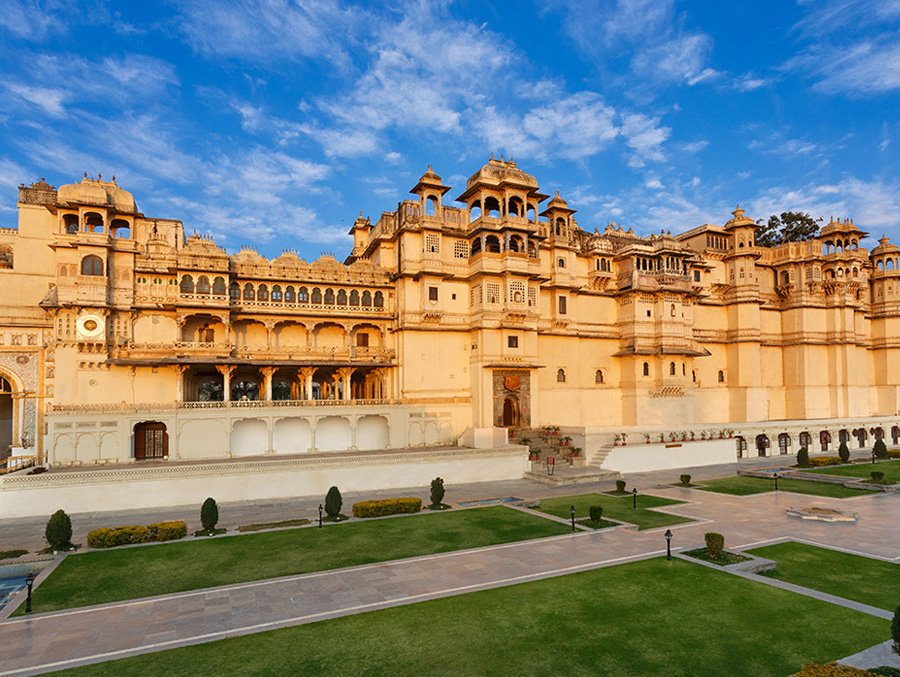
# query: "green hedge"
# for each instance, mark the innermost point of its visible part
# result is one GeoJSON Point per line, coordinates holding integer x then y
{"type": "Point", "coordinates": [387, 506]}
{"type": "Point", "coordinates": [821, 461]}
{"type": "Point", "coordinates": [115, 536]}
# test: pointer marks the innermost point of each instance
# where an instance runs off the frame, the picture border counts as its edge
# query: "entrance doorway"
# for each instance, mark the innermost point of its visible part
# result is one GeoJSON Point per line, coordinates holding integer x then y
{"type": "Point", "coordinates": [511, 412]}
{"type": "Point", "coordinates": [151, 441]}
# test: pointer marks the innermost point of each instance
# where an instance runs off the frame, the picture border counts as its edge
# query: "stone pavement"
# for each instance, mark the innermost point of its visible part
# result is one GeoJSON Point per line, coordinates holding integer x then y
{"type": "Point", "coordinates": [92, 634]}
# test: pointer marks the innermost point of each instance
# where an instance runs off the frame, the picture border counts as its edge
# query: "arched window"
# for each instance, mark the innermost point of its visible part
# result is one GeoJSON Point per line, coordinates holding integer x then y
{"type": "Point", "coordinates": [431, 206]}
{"type": "Point", "coordinates": [93, 265]}
{"type": "Point", "coordinates": [249, 292]}
{"type": "Point", "coordinates": [187, 284]}
{"type": "Point", "coordinates": [303, 295]}
{"type": "Point", "coordinates": [120, 229]}
{"type": "Point", "coordinates": [560, 225]}
{"type": "Point", "coordinates": [741, 446]}
{"type": "Point", "coordinates": [262, 293]}
{"type": "Point", "coordinates": [378, 300]}
{"type": "Point", "coordinates": [721, 376]}
{"type": "Point", "coordinates": [367, 299]}
{"type": "Point", "coordinates": [93, 222]}
{"type": "Point", "coordinates": [203, 285]}
{"type": "Point", "coordinates": [492, 244]}
{"type": "Point", "coordinates": [560, 262]}
{"type": "Point", "coordinates": [218, 287]}
{"type": "Point", "coordinates": [329, 297]}
{"type": "Point", "coordinates": [671, 369]}
{"type": "Point", "coordinates": [598, 376]}
{"type": "Point", "coordinates": [560, 375]}
{"type": "Point", "coordinates": [342, 297]}
{"type": "Point", "coordinates": [276, 293]}
{"type": "Point", "coordinates": [6, 257]}
{"type": "Point", "coordinates": [672, 310]}
{"type": "Point", "coordinates": [784, 443]}
{"type": "Point", "coordinates": [646, 369]}
{"type": "Point", "coordinates": [515, 207]}
{"type": "Point", "coordinates": [316, 295]}
{"type": "Point", "coordinates": [234, 291]}
{"type": "Point", "coordinates": [70, 224]}
{"type": "Point", "coordinates": [532, 250]}
{"type": "Point", "coordinates": [289, 294]}
{"type": "Point", "coordinates": [531, 213]}
{"type": "Point", "coordinates": [492, 207]}
{"type": "Point", "coordinates": [474, 211]}
{"type": "Point", "coordinates": [515, 244]}
{"type": "Point", "coordinates": [354, 298]}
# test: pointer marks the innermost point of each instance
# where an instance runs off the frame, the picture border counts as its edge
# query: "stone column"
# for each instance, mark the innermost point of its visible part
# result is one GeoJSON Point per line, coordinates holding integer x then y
{"type": "Point", "coordinates": [335, 379]}
{"type": "Point", "coordinates": [226, 370]}
{"type": "Point", "coordinates": [345, 375]}
{"type": "Point", "coordinates": [267, 374]}
{"type": "Point", "coordinates": [179, 384]}
{"type": "Point", "coordinates": [306, 377]}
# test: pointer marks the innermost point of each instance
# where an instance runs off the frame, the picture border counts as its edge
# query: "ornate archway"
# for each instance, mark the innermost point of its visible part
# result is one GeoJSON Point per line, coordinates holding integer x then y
{"type": "Point", "coordinates": [151, 440]}
{"type": "Point", "coordinates": [511, 411]}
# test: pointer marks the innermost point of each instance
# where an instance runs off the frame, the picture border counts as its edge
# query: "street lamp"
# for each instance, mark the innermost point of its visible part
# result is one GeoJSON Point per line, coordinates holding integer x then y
{"type": "Point", "coordinates": [634, 499]}
{"type": "Point", "coordinates": [668, 544]}
{"type": "Point", "coordinates": [572, 513]}
{"type": "Point", "coordinates": [29, 581]}
{"type": "Point", "coordinates": [320, 514]}
{"type": "Point", "coordinates": [776, 481]}
{"type": "Point", "coordinates": [873, 456]}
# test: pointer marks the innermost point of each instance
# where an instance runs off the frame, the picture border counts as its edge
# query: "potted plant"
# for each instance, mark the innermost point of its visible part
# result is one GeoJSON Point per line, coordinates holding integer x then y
{"type": "Point", "coordinates": [662, 437]}
{"type": "Point", "coordinates": [616, 439]}
{"type": "Point", "coordinates": [646, 438]}
{"type": "Point", "coordinates": [693, 436]}
{"type": "Point", "coordinates": [702, 434]}
{"type": "Point", "coordinates": [565, 441]}
{"type": "Point", "coordinates": [624, 439]}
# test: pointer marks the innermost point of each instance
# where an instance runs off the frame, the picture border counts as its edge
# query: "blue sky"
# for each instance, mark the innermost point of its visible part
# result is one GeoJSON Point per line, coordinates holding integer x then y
{"type": "Point", "coordinates": [274, 123]}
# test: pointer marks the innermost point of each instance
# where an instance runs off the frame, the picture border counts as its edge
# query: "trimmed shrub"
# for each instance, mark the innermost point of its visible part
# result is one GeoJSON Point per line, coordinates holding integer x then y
{"type": "Point", "coordinates": [596, 513]}
{"type": "Point", "coordinates": [877, 476]}
{"type": "Point", "coordinates": [209, 515]}
{"type": "Point", "coordinates": [880, 449]}
{"type": "Point", "coordinates": [620, 486]}
{"type": "Point", "coordinates": [844, 453]}
{"type": "Point", "coordinates": [685, 480]}
{"type": "Point", "coordinates": [59, 531]}
{"type": "Point", "coordinates": [803, 457]}
{"type": "Point", "coordinates": [167, 531]}
{"type": "Point", "coordinates": [715, 543]}
{"type": "Point", "coordinates": [387, 506]}
{"type": "Point", "coordinates": [110, 537]}
{"type": "Point", "coordinates": [885, 671]}
{"type": "Point", "coordinates": [822, 461]}
{"type": "Point", "coordinates": [829, 670]}
{"type": "Point", "coordinates": [895, 630]}
{"type": "Point", "coordinates": [437, 492]}
{"type": "Point", "coordinates": [894, 453]}
{"type": "Point", "coordinates": [333, 502]}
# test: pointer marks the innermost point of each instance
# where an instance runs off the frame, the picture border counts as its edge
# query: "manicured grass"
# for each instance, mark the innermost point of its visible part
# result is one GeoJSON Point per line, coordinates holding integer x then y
{"type": "Point", "coordinates": [111, 575]}
{"type": "Point", "coordinates": [862, 579]}
{"type": "Point", "coordinates": [615, 508]}
{"type": "Point", "coordinates": [891, 470]}
{"type": "Point", "coordinates": [648, 618]}
{"type": "Point", "coordinates": [722, 560]}
{"type": "Point", "coordinates": [744, 486]}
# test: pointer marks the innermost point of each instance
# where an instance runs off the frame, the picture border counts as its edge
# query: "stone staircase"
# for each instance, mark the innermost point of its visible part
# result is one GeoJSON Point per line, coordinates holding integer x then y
{"type": "Point", "coordinates": [565, 470]}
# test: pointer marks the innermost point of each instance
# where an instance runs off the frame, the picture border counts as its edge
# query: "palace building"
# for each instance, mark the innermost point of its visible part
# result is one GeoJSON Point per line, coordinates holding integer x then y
{"type": "Point", "coordinates": [124, 339]}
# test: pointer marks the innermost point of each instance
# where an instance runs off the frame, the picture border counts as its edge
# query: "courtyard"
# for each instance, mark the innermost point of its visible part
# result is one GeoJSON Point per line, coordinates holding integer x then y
{"type": "Point", "coordinates": [502, 589]}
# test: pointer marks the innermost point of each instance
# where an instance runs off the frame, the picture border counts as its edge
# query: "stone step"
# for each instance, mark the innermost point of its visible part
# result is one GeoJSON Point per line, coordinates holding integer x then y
{"type": "Point", "coordinates": [567, 475]}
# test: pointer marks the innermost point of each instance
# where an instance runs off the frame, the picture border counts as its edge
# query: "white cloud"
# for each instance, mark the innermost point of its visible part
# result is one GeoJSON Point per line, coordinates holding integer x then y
{"type": "Point", "coordinates": [270, 30]}
{"type": "Point", "coordinates": [48, 99]}
{"type": "Point", "coordinates": [749, 83]}
{"type": "Point", "coordinates": [31, 19]}
{"type": "Point", "coordinates": [869, 67]}
{"type": "Point", "coordinates": [645, 137]}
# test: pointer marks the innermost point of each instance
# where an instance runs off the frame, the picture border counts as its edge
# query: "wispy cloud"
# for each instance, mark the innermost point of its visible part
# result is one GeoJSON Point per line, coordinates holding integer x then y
{"type": "Point", "coordinates": [32, 19]}
{"type": "Point", "coordinates": [48, 99]}
{"type": "Point", "coordinates": [644, 136]}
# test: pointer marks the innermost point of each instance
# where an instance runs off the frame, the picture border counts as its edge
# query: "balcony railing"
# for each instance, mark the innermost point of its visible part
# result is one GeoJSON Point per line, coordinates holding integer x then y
{"type": "Point", "coordinates": [189, 348]}
{"type": "Point", "coordinates": [145, 407]}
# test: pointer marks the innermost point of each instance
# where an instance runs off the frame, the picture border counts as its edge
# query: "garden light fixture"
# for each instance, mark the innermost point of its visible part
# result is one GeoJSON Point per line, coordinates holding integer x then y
{"type": "Point", "coordinates": [668, 544]}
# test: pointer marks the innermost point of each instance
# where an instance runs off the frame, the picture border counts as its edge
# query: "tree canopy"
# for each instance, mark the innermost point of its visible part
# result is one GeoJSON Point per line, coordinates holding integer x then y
{"type": "Point", "coordinates": [787, 227]}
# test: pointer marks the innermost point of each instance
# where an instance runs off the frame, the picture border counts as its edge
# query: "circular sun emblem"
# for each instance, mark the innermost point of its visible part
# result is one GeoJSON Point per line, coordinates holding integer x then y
{"type": "Point", "coordinates": [512, 382]}
{"type": "Point", "coordinates": [90, 325]}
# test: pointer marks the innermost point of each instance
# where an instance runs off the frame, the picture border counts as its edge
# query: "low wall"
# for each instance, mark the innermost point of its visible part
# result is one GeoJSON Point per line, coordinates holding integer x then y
{"type": "Point", "coordinates": [170, 484]}
{"type": "Point", "coordinates": [644, 457]}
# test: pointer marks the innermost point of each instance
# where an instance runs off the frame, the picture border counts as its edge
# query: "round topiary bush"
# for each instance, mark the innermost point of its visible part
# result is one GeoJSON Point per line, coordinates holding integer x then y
{"type": "Point", "coordinates": [209, 515]}
{"type": "Point", "coordinates": [596, 513]}
{"type": "Point", "coordinates": [685, 480]}
{"type": "Point", "coordinates": [620, 486]}
{"type": "Point", "coordinates": [59, 531]}
{"type": "Point", "coordinates": [333, 503]}
{"type": "Point", "coordinates": [715, 543]}
{"type": "Point", "coordinates": [844, 452]}
{"type": "Point", "coordinates": [803, 457]}
{"type": "Point", "coordinates": [877, 476]}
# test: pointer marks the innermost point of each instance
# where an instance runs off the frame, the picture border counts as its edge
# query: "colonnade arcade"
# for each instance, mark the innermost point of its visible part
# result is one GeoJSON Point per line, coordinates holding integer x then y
{"type": "Point", "coordinates": [223, 383]}
{"type": "Point", "coordinates": [816, 440]}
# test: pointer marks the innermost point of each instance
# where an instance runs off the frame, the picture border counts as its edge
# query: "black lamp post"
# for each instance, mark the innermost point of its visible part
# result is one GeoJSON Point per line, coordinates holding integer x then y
{"type": "Point", "coordinates": [634, 499]}
{"type": "Point", "coordinates": [29, 581]}
{"type": "Point", "coordinates": [572, 513]}
{"type": "Point", "coordinates": [320, 514]}
{"type": "Point", "coordinates": [776, 481]}
{"type": "Point", "coordinates": [668, 544]}
{"type": "Point", "coordinates": [873, 456]}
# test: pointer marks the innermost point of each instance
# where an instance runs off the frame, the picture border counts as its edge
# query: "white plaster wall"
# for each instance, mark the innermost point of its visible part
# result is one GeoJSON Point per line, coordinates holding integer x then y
{"type": "Point", "coordinates": [332, 433]}
{"type": "Point", "coordinates": [291, 436]}
{"type": "Point", "coordinates": [133, 488]}
{"type": "Point", "coordinates": [372, 432]}
{"type": "Point", "coordinates": [249, 437]}
{"type": "Point", "coordinates": [644, 457]}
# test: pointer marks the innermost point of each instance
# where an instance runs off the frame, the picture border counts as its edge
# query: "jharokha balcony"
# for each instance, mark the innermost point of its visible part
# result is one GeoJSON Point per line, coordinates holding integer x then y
{"type": "Point", "coordinates": [193, 351]}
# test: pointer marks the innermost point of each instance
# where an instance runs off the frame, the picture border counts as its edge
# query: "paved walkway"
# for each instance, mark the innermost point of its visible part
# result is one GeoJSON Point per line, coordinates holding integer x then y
{"type": "Point", "coordinates": [92, 634]}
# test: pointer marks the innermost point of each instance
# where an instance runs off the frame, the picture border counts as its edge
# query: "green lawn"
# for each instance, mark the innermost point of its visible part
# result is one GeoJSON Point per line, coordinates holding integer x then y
{"type": "Point", "coordinates": [614, 507]}
{"type": "Point", "coordinates": [862, 579]}
{"type": "Point", "coordinates": [112, 575]}
{"type": "Point", "coordinates": [648, 618]}
{"type": "Point", "coordinates": [744, 486]}
{"type": "Point", "coordinates": [891, 470]}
